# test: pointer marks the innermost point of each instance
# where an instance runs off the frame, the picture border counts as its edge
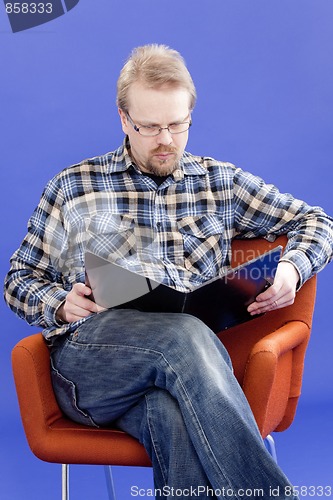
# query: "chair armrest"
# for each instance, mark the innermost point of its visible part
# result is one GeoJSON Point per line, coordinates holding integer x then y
{"type": "Point", "coordinates": [52, 436]}
{"type": "Point", "coordinates": [31, 369]}
{"type": "Point", "coordinates": [273, 376]}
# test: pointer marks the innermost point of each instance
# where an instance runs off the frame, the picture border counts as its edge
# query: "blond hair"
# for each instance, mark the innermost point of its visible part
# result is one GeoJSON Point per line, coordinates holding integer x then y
{"type": "Point", "coordinates": [155, 66]}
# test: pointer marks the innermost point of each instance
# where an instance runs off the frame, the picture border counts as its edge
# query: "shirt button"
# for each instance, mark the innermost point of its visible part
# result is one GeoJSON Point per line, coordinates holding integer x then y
{"type": "Point", "coordinates": [159, 225]}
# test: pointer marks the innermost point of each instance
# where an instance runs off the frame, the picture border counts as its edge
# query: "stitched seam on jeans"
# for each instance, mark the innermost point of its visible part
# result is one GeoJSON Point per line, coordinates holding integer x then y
{"type": "Point", "coordinates": [205, 442]}
{"type": "Point", "coordinates": [158, 455]}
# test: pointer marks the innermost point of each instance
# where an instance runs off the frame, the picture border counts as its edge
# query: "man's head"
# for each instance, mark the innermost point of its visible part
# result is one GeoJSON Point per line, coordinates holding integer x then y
{"type": "Point", "coordinates": [156, 90]}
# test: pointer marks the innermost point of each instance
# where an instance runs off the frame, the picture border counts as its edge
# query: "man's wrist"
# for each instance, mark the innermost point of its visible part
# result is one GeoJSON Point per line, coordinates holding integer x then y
{"type": "Point", "coordinates": [301, 263]}
{"type": "Point", "coordinates": [294, 272]}
{"type": "Point", "coordinates": [60, 315]}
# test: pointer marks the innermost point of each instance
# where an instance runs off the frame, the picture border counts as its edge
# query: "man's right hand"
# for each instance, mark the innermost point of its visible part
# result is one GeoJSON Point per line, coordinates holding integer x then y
{"type": "Point", "coordinates": [77, 304]}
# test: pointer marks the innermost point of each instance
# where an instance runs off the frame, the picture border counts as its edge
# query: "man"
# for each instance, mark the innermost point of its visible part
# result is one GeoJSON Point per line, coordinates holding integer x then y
{"type": "Point", "coordinates": [164, 378]}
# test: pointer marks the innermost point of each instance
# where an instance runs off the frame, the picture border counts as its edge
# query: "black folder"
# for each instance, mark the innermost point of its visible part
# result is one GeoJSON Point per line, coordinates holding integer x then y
{"type": "Point", "coordinates": [220, 302]}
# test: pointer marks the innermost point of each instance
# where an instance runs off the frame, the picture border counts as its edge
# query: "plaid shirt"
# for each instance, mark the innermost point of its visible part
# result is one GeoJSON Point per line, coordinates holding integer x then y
{"type": "Point", "coordinates": [178, 233]}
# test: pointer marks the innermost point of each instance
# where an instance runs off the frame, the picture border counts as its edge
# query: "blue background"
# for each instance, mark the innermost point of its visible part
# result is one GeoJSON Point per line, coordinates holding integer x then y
{"type": "Point", "coordinates": [264, 75]}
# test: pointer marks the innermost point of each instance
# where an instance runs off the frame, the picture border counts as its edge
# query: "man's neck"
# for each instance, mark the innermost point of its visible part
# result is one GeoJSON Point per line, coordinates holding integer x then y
{"type": "Point", "coordinates": [159, 179]}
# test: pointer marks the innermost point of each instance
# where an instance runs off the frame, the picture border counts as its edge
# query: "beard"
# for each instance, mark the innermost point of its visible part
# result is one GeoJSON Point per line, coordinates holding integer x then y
{"type": "Point", "coordinates": [162, 166]}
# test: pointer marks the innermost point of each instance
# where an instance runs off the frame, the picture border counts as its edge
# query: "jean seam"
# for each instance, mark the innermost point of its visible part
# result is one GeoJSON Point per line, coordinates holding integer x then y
{"type": "Point", "coordinates": [196, 421]}
{"type": "Point", "coordinates": [154, 442]}
{"type": "Point", "coordinates": [73, 387]}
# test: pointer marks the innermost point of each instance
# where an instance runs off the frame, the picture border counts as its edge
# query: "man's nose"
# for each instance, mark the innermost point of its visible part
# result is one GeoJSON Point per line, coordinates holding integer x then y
{"type": "Point", "coordinates": [164, 137]}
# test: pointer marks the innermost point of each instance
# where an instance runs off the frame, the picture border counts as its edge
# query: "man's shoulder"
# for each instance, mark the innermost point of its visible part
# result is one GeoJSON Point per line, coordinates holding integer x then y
{"type": "Point", "coordinates": [208, 163]}
{"type": "Point", "coordinates": [100, 163]}
{"type": "Point", "coordinates": [80, 178]}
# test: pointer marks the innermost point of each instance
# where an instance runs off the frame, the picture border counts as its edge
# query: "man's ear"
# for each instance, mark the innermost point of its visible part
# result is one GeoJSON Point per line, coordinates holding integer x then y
{"type": "Point", "coordinates": [123, 120]}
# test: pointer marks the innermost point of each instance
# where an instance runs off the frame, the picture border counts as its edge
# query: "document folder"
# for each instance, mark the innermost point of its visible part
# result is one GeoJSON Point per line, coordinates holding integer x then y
{"type": "Point", "coordinates": [220, 302]}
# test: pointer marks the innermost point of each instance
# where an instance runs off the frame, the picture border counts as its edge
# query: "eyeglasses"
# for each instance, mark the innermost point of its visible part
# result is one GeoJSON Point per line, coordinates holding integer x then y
{"type": "Point", "coordinates": [153, 130]}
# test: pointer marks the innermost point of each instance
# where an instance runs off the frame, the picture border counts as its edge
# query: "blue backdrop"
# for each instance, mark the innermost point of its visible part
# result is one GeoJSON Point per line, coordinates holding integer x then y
{"type": "Point", "coordinates": [264, 76]}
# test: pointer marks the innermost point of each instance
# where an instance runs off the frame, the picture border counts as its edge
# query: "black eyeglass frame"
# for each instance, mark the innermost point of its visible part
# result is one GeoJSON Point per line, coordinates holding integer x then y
{"type": "Point", "coordinates": [137, 129]}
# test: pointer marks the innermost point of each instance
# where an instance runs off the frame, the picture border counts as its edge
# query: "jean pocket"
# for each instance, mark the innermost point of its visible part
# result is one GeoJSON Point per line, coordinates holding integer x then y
{"type": "Point", "coordinates": [66, 395]}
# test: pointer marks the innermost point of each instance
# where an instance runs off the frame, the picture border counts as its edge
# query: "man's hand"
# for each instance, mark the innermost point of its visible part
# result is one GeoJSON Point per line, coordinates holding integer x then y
{"type": "Point", "coordinates": [77, 304]}
{"type": "Point", "coordinates": [280, 294]}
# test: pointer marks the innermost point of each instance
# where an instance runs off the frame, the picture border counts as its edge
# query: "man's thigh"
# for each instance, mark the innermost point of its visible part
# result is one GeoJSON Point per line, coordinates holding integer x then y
{"type": "Point", "coordinates": [117, 356]}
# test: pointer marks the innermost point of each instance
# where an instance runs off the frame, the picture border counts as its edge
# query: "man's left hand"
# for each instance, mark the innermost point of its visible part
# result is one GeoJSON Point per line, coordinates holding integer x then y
{"type": "Point", "coordinates": [280, 294]}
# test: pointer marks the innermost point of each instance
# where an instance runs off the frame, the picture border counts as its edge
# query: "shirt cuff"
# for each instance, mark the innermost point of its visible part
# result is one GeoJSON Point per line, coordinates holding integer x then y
{"type": "Point", "coordinates": [51, 307]}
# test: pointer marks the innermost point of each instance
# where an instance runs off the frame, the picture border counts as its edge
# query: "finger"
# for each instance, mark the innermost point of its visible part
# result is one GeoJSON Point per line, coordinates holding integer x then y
{"type": "Point", "coordinates": [265, 299]}
{"type": "Point", "coordinates": [270, 293]}
{"type": "Point", "coordinates": [71, 318]}
{"type": "Point", "coordinates": [261, 309]}
{"type": "Point", "coordinates": [80, 305]}
{"type": "Point", "coordinates": [81, 289]}
{"type": "Point", "coordinates": [80, 295]}
{"type": "Point", "coordinates": [270, 303]}
{"type": "Point", "coordinates": [275, 302]}
{"type": "Point", "coordinates": [100, 308]}
{"type": "Point", "coordinates": [75, 313]}
{"type": "Point", "coordinates": [77, 303]}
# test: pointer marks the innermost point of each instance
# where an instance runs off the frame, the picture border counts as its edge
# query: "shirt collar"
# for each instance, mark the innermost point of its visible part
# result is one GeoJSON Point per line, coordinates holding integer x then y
{"type": "Point", "coordinates": [193, 165]}
{"type": "Point", "coordinates": [120, 161]}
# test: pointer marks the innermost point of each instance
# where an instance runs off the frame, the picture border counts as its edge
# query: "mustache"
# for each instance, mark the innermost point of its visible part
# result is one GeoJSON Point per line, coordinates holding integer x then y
{"type": "Point", "coordinates": [164, 149]}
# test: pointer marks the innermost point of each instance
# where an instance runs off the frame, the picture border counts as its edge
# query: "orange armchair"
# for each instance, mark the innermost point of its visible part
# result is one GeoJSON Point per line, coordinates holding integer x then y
{"type": "Point", "coordinates": [268, 358]}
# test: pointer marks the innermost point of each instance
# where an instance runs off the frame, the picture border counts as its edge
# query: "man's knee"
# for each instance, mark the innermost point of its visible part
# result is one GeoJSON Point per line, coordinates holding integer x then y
{"type": "Point", "coordinates": [188, 326]}
{"type": "Point", "coordinates": [190, 332]}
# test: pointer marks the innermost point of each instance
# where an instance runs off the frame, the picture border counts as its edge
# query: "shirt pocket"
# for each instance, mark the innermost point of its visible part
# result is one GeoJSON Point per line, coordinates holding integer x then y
{"type": "Point", "coordinates": [111, 236]}
{"type": "Point", "coordinates": [203, 243]}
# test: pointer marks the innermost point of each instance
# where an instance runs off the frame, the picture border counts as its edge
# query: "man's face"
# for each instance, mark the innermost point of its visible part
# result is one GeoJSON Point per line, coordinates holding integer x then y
{"type": "Point", "coordinates": [161, 107]}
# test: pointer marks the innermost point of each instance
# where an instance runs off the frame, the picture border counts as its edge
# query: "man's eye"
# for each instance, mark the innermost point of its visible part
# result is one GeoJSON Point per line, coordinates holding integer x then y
{"type": "Point", "coordinates": [178, 127]}
{"type": "Point", "coordinates": [151, 130]}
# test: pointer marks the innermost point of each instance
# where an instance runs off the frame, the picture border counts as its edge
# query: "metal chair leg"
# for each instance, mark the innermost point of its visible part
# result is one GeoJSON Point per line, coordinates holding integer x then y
{"type": "Point", "coordinates": [65, 482]}
{"type": "Point", "coordinates": [270, 445]}
{"type": "Point", "coordinates": [109, 482]}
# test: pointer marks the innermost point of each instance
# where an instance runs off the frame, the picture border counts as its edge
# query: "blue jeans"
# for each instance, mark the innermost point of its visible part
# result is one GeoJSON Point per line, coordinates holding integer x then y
{"type": "Point", "coordinates": [167, 380]}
